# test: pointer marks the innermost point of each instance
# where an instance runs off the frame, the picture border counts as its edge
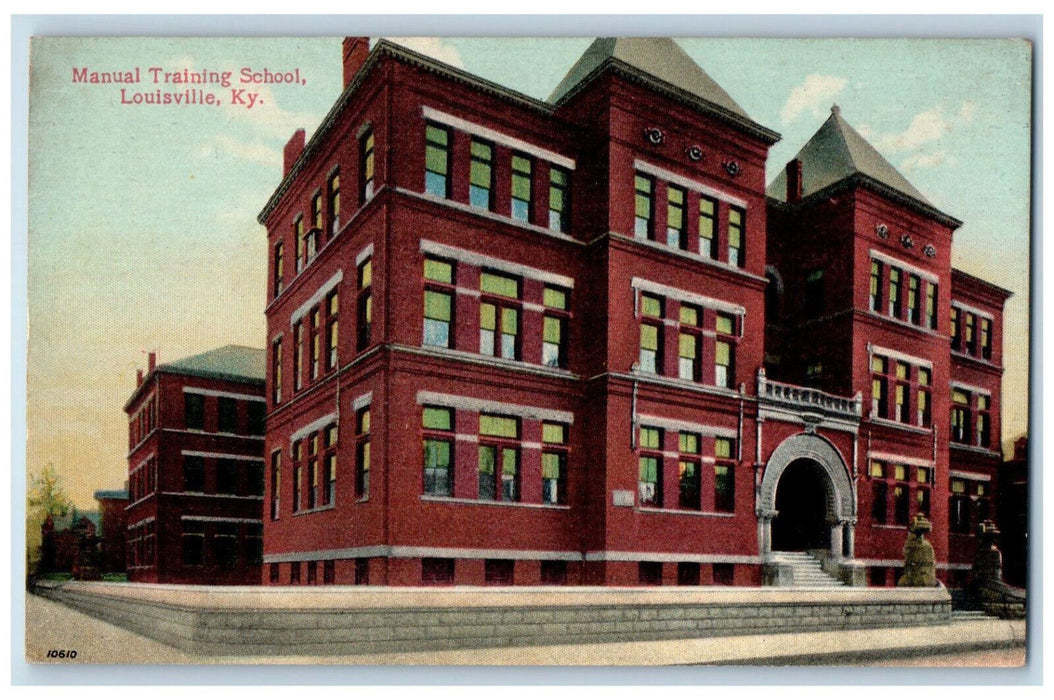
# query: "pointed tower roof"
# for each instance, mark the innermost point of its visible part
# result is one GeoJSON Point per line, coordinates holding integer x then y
{"type": "Point", "coordinates": [838, 152]}
{"type": "Point", "coordinates": [661, 64]}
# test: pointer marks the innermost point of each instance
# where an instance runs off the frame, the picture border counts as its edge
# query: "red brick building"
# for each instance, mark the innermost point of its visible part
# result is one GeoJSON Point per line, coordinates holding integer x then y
{"type": "Point", "coordinates": [113, 531]}
{"type": "Point", "coordinates": [195, 469]}
{"type": "Point", "coordinates": [575, 340]}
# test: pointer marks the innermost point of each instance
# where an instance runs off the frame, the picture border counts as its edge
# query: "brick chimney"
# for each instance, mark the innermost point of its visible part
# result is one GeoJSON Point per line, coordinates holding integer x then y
{"type": "Point", "coordinates": [151, 361]}
{"type": "Point", "coordinates": [139, 377]}
{"type": "Point", "coordinates": [356, 49]}
{"type": "Point", "coordinates": [293, 148]}
{"type": "Point", "coordinates": [794, 180]}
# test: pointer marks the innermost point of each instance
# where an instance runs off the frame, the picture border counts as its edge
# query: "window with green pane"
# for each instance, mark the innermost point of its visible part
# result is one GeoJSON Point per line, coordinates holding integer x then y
{"type": "Point", "coordinates": [689, 478]}
{"type": "Point", "coordinates": [522, 172]}
{"type": "Point", "coordinates": [499, 426]}
{"type": "Point", "coordinates": [688, 356]}
{"type": "Point", "coordinates": [642, 222]}
{"type": "Point", "coordinates": [365, 305]}
{"type": "Point", "coordinates": [724, 374]}
{"type": "Point", "coordinates": [690, 315]}
{"type": "Point", "coordinates": [553, 341]}
{"type": "Point", "coordinates": [554, 298]}
{"type": "Point", "coordinates": [650, 345]}
{"type": "Point", "coordinates": [559, 199]}
{"type": "Point", "coordinates": [960, 416]}
{"type": "Point", "coordinates": [725, 324]}
{"type": "Point", "coordinates": [675, 219]}
{"type": "Point", "coordinates": [735, 237]}
{"type": "Point", "coordinates": [481, 175]}
{"type": "Point", "coordinates": [688, 443]}
{"type": "Point", "coordinates": [931, 306]}
{"type": "Point", "coordinates": [500, 285]}
{"type": "Point", "coordinates": [366, 165]}
{"type": "Point", "coordinates": [875, 289]}
{"type": "Point", "coordinates": [437, 161]}
{"type": "Point", "coordinates": [914, 314]}
{"type": "Point", "coordinates": [438, 451]}
{"type": "Point", "coordinates": [499, 473]}
{"type": "Point", "coordinates": [724, 476]}
{"type": "Point", "coordinates": [650, 438]}
{"type": "Point", "coordinates": [439, 271]}
{"type": "Point", "coordinates": [554, 463]}
{"type": "Point", "coordinates": [707, 227]}
{"type": "Point", "coordinates": [649, 484]}
{"type": "Point", "coordinates": [438, 318]}
{"type": "Point", "coordinates": [894, 292]}
{"type": "Point", "coordinates": [650, 306]}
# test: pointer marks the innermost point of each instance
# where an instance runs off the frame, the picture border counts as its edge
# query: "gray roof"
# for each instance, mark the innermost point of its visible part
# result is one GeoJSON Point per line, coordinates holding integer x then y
{"type": "Point", "coordinates": [115, 494]}
{"type": "Point", "coordinates": [228, 361]}
{"type": "Point", "coordinates": [836, 152]}
{"type": "Point", "coordinates": [659, 58]}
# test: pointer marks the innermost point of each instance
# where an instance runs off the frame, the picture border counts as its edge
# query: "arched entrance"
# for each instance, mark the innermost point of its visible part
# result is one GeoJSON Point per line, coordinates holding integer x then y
{"type": "Point", "coordinates": [806, 496]}
{"type": "Point", "coordinates": [802, 495]}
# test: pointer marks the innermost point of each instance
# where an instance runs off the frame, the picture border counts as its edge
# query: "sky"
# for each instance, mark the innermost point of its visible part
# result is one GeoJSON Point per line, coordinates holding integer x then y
{"type": "Point", "coordinates": [142, 218]}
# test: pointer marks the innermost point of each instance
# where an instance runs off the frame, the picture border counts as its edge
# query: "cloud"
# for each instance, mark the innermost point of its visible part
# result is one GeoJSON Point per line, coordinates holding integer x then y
{"type": "Point", "coordinates": [917, 161]}
{"type": "Point", "coordinates": [242, 150]}
{"type": "Point", "coordinates": [919, 144]}
{"type": "Point", "coordinates": [813, 95]}
{"type": "Point", "coordinates": [926, 127]}
{"type": "Point", "coordinates": [435, 47]}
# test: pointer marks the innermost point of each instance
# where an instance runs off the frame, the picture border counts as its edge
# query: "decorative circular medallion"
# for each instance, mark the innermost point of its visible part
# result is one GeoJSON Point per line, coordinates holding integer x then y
{"type": "Point", "coordinates": [654, 135]}
{"type": "Point", "coordinates": [732, 168]}
{"type": "Point", "coordinates": [930, 251]}
{"type": "Point", "coordinates": [694, 153]}
{"type": "Point", "coordinates": [882, 230]}
{"type": "Point", "coordinates": [906, 241]}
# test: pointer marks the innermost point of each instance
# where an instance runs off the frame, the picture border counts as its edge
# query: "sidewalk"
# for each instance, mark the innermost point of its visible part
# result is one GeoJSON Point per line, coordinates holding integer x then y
{"type": "Point", "coordinates": [983, 642]}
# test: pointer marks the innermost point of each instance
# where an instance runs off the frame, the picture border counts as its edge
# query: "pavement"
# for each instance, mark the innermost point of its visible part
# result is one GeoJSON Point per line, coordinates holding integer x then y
{"type": "Point", "coordinates": [984, 642]}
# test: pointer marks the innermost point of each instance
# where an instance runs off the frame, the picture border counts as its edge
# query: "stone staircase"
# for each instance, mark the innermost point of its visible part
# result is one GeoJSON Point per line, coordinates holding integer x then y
{"type": "Point", "coordinates": [807, 571]}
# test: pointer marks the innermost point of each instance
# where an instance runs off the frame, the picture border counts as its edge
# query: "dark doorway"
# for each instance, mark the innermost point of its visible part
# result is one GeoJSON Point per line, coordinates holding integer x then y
{"type": "Point", "coordinates": [801, 499]}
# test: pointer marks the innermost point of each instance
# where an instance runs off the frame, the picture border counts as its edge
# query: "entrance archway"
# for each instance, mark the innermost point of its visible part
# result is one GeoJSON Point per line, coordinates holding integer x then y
{"type": "Point", "coordinates": [802, 498]}
{"type": "Point", "coordinates": [804, 469]}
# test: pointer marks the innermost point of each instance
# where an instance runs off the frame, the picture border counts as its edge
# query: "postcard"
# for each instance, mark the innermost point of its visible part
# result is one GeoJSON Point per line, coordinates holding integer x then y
{"type": "Point", "coordinates": [577, 351]}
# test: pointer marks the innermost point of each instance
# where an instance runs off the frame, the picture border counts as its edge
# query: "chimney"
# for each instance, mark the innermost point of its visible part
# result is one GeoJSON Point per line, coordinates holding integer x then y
{"type": "Point", "coordinates": [139, 377]}
{"type": "Point", "coordinates": [151, 361]}
{"type": "Point", "coordinates": [293, 149]}
{"type": "Point", "coordinates": [794, 180]}
{"type": "Point", "coordinates": [356, 49]}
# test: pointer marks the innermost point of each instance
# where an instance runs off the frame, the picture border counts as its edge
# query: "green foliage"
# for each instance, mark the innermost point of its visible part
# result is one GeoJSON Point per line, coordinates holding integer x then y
{"type": "Point", "coordinates": [46, 496]}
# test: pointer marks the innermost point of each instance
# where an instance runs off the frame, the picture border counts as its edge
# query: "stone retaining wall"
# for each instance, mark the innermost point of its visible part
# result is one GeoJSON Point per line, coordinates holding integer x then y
{"type": "Point", "coordinates": [356, 620]}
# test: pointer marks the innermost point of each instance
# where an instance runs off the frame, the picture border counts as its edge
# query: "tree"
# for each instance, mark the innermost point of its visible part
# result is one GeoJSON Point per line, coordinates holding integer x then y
{"type": "Point", "coordinates": [46, 496]}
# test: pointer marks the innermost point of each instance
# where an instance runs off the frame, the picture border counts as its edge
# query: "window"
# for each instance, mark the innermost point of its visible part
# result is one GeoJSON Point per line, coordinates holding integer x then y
{"type": "Point", "coordinates": [554, 573]}
{"type": "Point", "coordinates": [922, 401]}
{"type": "Point", "coordinates": [649, 484]}
{"type": "Point", "coordinates": [499, 321]}
{"type": "Point", "coordinates": [435, 571]}
{"type": "Point", "coordinates": [875, 289]}
{"type": "Point", "coordinates": [649, 573]}
{"type": "Point", "coordinates": [193, 543]}
{"type": "Point", "coordinates": [724, 476]}
{"type": "Point", "coordinates": [298, 355]}
{"type": "Point", "coordinates": [559, 199]}
{"type": "Point", "coordinates": [276, 484]}
{"type": "Point", "coordinates": [688, 356]}
{"type": "Point", "coordinates": [312, 573]}
{"type": "Point", "coordinates": [298, 241]}
{"type": "Point", "coordinates": [651, 307]}
{"type": "Point", "coordinates": [522, 201]}
{"type": "Point", "coordinates": [227, 477]}
{"type": "Point", "coordinates": [437, 161]}
{"type": "Point", "coordinates": [225, 544]}
{"type": "Point", "coordinates": [969, 338]}
{"type": "Point", "coordinates": [931, 306]}
{"type": "Point", "coordinates": [333, 187]}
{"type": "Point", "coordinates": [814, 294]}
{"type": "Point", "coordinates": [329, 572]}
{"type": "Point", "coordinates": [923, 479]}
{"type": "Point", "coordinates": [879, 387]}
{"type": "Point", "coordinates": [481, 175]}
{"type": "Point", "coordinates": [914, 312]}
{"type": "Point", "coordinates": [366, 167]}
{"type": "Point", "coordinates": [898, 485]}
{"type": "Point", "coordinates": [688, 573]}
{"type": "Point", "coordinates": [193, 474]}
{"type": "Point", "coordinates": [332, 329]}
{"type": "Point", "coordinates": [294, 572]}
{"type": "Point", "coordinates": [554, 463]}
{"type": "Point", "coordinates": [955, 329]}
{"type": "Point", "coordinates": [724, 574]}
{"type": "Point", "coordinates": [499, 458]}
{"type": "Point", "coordinates": [276, 371]}
{"type": "Point", "coordinates": [365, 305]}
{"type": "Point", "coordinates": [736, 254]}
{"type": "Point", "coordinates": [675, 218]}
{"type": "Point", "coordinates": [554, 327]}
{"type": "Point", "coordinates": [498, 572]}
{"type": "Point", "coordinates": [311, 238]}
{"type": "Point", "coordinates": [362, 571]}
{"type": "Point", "coordinates": [439, 303]}
{"type": "Point", "coordinates": [312, 471]}
{"type": "Point", "coordinates": [257, 417]}
{"type": "Point", "coordinates": [724, 369]}
{"type": "Point", "coordinates": [279, 269]}
{"type": "Point", "coordinates": [894, 292]}
{"type": "Point", "coordinates": [315, 319]}
{"type": "Point", "coordinates": [297, 454]}
{"type": "Point", "coordinates": [362, 453]}
{"type": "Point", "coordinates": [707, 227]}
{"type": "Point", "coordinates": [227, 421]}
{"type": "Point", "coordinates": [689, 471]}
{"type": "Point", "coordinates": [642, 222]}
{"type": "Point", "coordinates": [959, 507]}
{"type": "Point", "coordinates": [984, 421]}
{"type": "Point", "coordinates": [438, 451]}
{"type": "Point", "coordinates": [273, 573]}
{"type": "Point", "coordinates": [329, 462]}
{"type": "Point", "coordinates": [879, 493]}
{"type": "Point", "coordinates": [986, 338]}
{"type": "Point", "coordinates": [900, 495]}
{"type": "Point", "coordinates": [960, 416]}
{"type": "Point", "coordinates": [194, 411]}
{"type": "Point", "coordinates": [900, 393]}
